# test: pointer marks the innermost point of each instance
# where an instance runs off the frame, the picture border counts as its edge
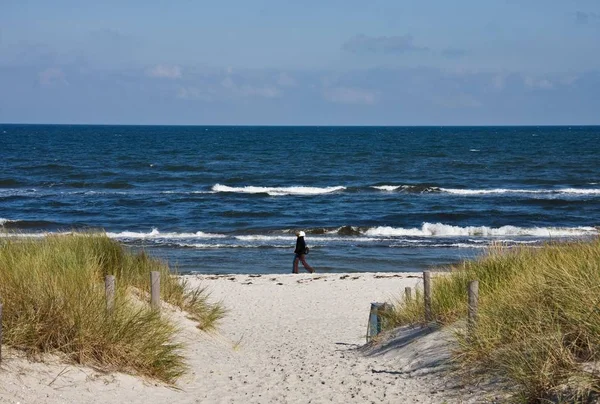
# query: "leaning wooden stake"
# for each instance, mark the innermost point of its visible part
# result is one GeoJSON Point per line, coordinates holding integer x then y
{"type": "Point", "coordinates": [109, 287]}
{"type": "Point", "coordinates": [473, 297]}
{"type": "Point", "coordinates": [0, 332]}
{"type": "Point", "coordinates": [427, 295]}
{"type": "Point", "coordinates": [407, 294]}
{"type": "Point", "coordinates": [376, 319]}
{"type": "Point", "coordinates": [155, 290]}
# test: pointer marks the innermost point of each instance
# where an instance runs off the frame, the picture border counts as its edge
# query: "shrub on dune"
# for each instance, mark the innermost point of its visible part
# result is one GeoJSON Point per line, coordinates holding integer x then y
{"type": "Point", "coordinates": [539, 317]}
{"type": "Point", "coordinates": [54, 301]}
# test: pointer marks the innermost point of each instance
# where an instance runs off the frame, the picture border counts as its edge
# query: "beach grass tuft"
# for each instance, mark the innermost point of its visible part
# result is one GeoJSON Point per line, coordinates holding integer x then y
{"type": "Point", "coordinates": [52, 289]}
{"type": "Point", "coordinates": [539, 317]}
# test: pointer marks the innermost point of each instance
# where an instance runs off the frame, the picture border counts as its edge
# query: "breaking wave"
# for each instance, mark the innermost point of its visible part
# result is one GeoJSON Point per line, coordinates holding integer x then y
{"type": "Point", "coordinates": [155, 234]}
{"type": "Point", "coordinates": [277, 191]}
{"type": "Point", "coordinates": [422, 189]}
{"type": "Point", "coordinates": [564, 191]}
{"type": "Point", "coordinates": [415, 189]}
{"type": "Point", "coordinates": [445, 230]}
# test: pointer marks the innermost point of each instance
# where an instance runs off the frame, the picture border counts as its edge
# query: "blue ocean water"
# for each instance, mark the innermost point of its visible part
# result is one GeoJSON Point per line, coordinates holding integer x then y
{"type": "Point", "coordinates": [228, 199]}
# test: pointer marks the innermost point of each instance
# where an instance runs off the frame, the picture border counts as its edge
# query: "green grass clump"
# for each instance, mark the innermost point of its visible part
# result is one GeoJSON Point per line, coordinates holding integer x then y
{"type": "Point", "coordinates": [52, 289]}
{"type": "Point", "coordinates": [539, 317]}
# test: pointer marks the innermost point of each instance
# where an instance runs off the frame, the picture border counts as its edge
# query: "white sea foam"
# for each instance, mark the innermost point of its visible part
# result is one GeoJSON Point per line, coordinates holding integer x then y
{"type": "Point", "coordinates": [444, 230]}
{"type": "Point", "coordinates": [426, 245]}
{"type": "Point", "coordinates": [32, 235]}
{"type": "Point", "coordinates": [580, 191]}
{"type": "Point", "coordinates": [155, 234]}
{"type": "Point", "coordinates": [251, 238]}
{"type": "Point", "coordinates": [573, 191]}
{"type": "Point", "coordinates": [490, 191]}
{"type": "Point", "coordinates": [389, 188]}
{"type": "Point", "coordinates": [277, 191]}
{"type": "Point", "coordinates": [219, 246]}
{"type": "Point", "coordinates": [3, 221]}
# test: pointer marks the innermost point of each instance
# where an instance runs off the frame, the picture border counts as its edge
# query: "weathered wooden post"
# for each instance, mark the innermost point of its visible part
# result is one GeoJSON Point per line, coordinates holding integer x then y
{"type": "Point", "coordinates": [0, 332]}
{"type": "Point", "coordinates": [109, 287]}
{"type": "Point", "coordinates": [407, 294]}
{"type": "Point", "coordinates": [155, 290]}
{"type": "Point", "coordinates": [376, 319]}
{"type": "Point", "coordinates": [427, 295]}
{"type": "Point", "coordinates": [473, 298]}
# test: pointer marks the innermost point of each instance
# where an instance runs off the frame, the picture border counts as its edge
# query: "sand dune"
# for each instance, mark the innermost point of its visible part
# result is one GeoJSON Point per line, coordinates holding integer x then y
{"type": "Point", "coordinates": [286, 339]}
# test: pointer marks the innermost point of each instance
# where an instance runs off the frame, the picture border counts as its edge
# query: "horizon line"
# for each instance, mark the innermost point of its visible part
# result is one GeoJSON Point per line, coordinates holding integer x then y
{"type": "Point", "coordinates": [304, 125]}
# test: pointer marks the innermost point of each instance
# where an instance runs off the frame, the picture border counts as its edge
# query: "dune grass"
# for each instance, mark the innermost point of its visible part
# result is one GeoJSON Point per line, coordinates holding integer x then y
{"type": "Point", "coordinates": [52, 289]}
{"type": "Point", "coordinates": [539, 317]}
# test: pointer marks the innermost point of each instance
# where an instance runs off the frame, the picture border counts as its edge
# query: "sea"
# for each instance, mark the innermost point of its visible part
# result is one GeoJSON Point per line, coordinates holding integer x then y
{"type": "Point", "coordinates": [228, 199]}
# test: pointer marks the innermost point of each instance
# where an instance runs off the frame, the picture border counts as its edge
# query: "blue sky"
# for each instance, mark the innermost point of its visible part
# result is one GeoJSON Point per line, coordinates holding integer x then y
{"type": "Point", "coordinates": [300, 63]}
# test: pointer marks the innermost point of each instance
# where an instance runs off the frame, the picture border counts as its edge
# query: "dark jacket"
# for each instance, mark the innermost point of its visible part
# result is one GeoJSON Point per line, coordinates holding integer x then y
{"type": "Point", "coordinates": [300, 246]}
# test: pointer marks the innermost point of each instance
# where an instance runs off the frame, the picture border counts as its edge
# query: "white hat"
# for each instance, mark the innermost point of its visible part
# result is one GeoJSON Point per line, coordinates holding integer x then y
{"type": "Point", "coordinates": [301, 234]}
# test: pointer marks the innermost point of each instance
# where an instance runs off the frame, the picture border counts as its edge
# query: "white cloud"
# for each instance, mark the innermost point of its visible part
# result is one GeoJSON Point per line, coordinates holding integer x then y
{"type": "Point", "coordinates": [164, 71]}
{"type": "Point", "coordinates": [227, 82]}
{"type": "Point", "coordinates": [383, 44]}
{"type": "Point", "coordinates": [348, 95]}
{"type": "Point", "coordinates": [250, 91]}
{"type": "Point", "coordinates": [498, 82]}
{"type": "Point", "coordinates": [52, 77]}
{"type": "Point", "coordinates": [266, 92]}
{"type": "Point", "coordinates": [193, 93]}
{"type": "Point", "coordinates": [285, 80]}
{"type": "Point", "coordinates": [541, 84]}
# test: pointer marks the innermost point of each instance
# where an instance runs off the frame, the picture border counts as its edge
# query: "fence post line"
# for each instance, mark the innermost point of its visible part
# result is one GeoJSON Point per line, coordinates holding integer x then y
{"type": "Point", "coordinates": [109, 287]}
{"type": "Point", "coordinates": [427, 295]}
{"type": "Point", "coordinates": [155, 290]}
{"type": "Point", "coordinates": [473, 298]}
{"type": "Point", "coordinates": [407, 294]}
{"type": "Point", "coordinates": [0, 332]}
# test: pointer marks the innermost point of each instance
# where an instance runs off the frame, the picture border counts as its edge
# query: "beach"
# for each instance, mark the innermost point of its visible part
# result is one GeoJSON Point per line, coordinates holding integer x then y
{"type": "Point", "coordinates": [286, 339]}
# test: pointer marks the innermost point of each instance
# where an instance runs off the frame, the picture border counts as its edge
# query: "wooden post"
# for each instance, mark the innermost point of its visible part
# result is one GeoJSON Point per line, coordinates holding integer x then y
{"type": "Point", "coordinates": [407, 294]}
{"type": "Point", "coordinates": [109, 287]}
{"type": "Point", "coordinates": [427, 295]}
{"type": "Point", "coordinates": [0, 332]}
{"type": "Point", "coordinates": [155, 290]}
{"type": "Point", "coordinates": [375, 319]}
{"type": "Point", "coordinates": [473, 297]}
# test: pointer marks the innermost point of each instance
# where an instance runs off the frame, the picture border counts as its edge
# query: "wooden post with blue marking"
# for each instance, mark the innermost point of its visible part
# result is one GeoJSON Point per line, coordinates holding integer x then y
{"type": "Point", "coordinates": [376, 319]}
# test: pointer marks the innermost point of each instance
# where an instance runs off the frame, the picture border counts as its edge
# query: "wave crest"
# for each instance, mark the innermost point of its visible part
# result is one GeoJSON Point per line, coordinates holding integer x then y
{"type": "Point", "coordinates": [277, 191]}
{"type": "Point", "coordinates": [155, 234]}
{"type": "Point", "coordinates": [442, 230]}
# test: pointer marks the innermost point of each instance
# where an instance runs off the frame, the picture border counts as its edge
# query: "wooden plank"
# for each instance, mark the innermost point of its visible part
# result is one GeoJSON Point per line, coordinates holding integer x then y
{"type": "Point", "coordinates": [109, 288]}
{"type": "Point", "coordinates": [427, 295]}
{"type": "Point", "coordinates": [473, 303]}
{"type": "Point", "coordinates": [155, 290]}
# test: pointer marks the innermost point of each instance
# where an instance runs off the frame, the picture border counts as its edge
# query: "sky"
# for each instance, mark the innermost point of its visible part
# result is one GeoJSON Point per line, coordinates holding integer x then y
{"type": "Point", "coordinates": [327, 62]}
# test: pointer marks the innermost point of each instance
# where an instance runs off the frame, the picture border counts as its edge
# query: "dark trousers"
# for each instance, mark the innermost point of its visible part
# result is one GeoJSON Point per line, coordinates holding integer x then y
{"type": "Point", "coordinates": [300, 257]}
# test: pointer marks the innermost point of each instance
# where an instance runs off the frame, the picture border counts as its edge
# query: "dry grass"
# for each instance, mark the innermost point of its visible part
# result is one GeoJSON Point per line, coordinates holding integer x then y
{"type": "Point", "coordinates": [539, 317]}
{"type": "Point", "coordinates": [52, 289]}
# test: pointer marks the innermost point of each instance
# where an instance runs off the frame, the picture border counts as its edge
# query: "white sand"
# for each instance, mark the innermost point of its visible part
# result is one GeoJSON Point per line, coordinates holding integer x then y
{"type": "Point", "coordinates": [286, 339]}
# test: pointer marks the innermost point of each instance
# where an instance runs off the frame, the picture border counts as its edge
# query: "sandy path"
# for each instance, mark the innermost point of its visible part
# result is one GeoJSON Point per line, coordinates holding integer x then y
{"type": "Point", "coordinates": [286, 339]}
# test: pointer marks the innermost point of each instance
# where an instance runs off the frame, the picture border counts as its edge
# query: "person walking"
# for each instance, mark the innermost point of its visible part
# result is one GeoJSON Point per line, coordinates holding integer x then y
{"type": "Point", "coordinates": [300, 252]}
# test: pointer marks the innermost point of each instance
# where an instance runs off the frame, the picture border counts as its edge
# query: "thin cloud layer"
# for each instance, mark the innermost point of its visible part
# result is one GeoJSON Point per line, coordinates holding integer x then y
{"type": "Point", "coordinates": [164, 71]}
{"type": "Point", "coordinates": [377, 96]}
{"type": "Point", "coordinates": [346, 95]}
{"type": "Point", "coordinates": [384, 44]}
